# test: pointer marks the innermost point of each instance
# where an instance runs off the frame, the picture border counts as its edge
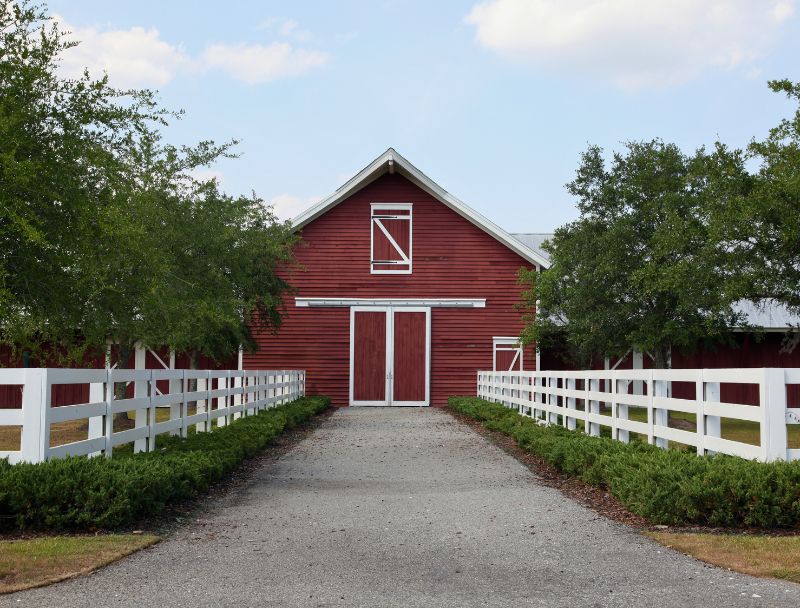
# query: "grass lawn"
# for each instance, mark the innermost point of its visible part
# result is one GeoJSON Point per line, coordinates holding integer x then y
{"type": "Point", "coordinates": [73, 430]}
{"type": "Point", "coordinates": [43, 560]}
{"type": "Point", "coordinates": [735, 430]}
{"type": "Point", "coordinates": [764, 556]}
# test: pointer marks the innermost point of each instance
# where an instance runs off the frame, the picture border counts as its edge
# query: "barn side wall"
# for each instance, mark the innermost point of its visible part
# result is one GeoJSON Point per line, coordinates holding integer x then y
{"type": "Point", "coordinates": [451, 259]}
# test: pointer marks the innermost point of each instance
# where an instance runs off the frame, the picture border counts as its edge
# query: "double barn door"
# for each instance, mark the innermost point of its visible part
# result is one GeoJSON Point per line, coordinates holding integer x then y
{"type": "Point", "coordinates": [390, 355]}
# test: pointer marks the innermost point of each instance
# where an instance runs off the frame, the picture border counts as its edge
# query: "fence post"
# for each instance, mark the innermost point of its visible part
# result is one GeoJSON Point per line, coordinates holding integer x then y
{"type": "Point", "coordinates": [660, 415]}
{"type": "Point", "coordinates": [707, 426]}
{"type": "Point", "coordinates": [176, 410]}
{"type": "Point", "coordinates": [592, 407]}
{"type": "Point", "coordinates": [221, 402]}
{"type": "Point", "coordinates": [108, 422]}
{"type": "Point", "coordinates": [569, 419]}
{"type": "Point", "coordinates": [649, 385]}
{"type": "Point", "coordinates": [203, 406]}
{"type": "Point", "coordinates": [184, 405]}
{"type": "Point", "coordinates": [237, 382]}
{"type": "Point", "coordinates": [552, 400]}
{"type": "Point", "coordinates": [140, 388]}
{"type": "Point", "coordinates": [96, 423]}
{"type": "Point", "coordinates": [35, 438]}
{"type": "Point", "coordinates": [620, 411]}
{"type": "Point", "coordinates": [152, 412]}
{"type": "Point", "coordinates": [773, 423]}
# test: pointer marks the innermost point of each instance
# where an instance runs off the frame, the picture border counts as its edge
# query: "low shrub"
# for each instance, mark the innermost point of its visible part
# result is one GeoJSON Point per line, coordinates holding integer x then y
{"type": "Point", "coordinates": [664, 486]}
{"type": "Point", "coordinates": [89, 493]}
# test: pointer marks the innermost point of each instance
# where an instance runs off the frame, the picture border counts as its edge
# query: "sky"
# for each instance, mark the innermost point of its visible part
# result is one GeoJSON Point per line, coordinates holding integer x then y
{"type": "Point", "coordinates": [493, 100]}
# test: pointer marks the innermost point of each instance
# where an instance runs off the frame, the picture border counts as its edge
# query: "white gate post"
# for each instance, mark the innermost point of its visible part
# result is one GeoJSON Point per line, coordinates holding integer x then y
{"type": "Point", "coordinates": [773, 422]}
{"type": "Point", "coordinates": [35, 435]}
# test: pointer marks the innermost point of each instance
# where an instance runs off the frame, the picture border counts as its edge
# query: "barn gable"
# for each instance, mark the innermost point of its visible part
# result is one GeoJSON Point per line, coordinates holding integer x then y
{"type": "Point", "coordinates": [391, 162]}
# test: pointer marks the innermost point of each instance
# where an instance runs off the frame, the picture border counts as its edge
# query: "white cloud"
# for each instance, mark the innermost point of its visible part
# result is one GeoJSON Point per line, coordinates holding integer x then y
{"type": "Point", "coordinates": [256, 63]}
{"type": "Point", "coordinates": [136, 57]}
{"type": "Point", "coordinates": [288, 206]}
{"type": "Point", "coordinates": [287, 28]}
{"type": "Point", "coordinates": [139, 57]}
{"type": "Point", "coordinates": [204, 174]}
{"type": "Point", "coordinates": [633, 43]}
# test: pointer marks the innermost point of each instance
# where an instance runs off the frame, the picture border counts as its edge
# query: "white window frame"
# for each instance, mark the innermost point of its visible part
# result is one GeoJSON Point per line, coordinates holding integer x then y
{"type": "Point", "coordinates": [507, 343]}
{"type": "Point", "coordinates": [407, 259]}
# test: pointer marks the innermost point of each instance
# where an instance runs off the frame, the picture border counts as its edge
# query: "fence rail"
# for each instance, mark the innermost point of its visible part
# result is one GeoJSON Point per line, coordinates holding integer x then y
{"type": "Point", "coordinates": [608, 398]}
{"type": "Point", "coordinates": [203, 398]}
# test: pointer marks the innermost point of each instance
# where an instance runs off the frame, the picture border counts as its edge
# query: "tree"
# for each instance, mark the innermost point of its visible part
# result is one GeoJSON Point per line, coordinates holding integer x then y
{"type": "Point", "coordinates": [637, 269]}
{"type": "Point", "coordinates": [59, 170]}
{"type": "Point", "coordinates": [759, 227]}
{"type": "Point", "coordinates": [104, 233]}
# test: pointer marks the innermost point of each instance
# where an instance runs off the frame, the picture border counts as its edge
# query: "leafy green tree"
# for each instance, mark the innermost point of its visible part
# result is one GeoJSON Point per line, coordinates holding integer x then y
{"type": "Point", "coordinates": [759, 227]}
{"type": "Point", "coordinates": [104, 233]}
{"type": "Point", "coordinates": [637, 269]}
{"type": "Point", "coordinates": [59, 171]}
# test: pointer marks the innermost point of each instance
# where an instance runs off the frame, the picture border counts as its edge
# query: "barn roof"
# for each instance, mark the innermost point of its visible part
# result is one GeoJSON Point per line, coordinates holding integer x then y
{"type": "Point", "coordinates": [768, 315]}
{"type": "Point", "coordinates": [535, 240]}
{"type": "Point", "coordinates": [393, 162]}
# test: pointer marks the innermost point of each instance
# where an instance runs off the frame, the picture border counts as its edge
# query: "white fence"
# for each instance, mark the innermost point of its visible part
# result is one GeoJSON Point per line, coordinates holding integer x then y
{"type": "Point", "coordinates": [193, 397]}
{"type": "Point", "coordinates": [609, 397]}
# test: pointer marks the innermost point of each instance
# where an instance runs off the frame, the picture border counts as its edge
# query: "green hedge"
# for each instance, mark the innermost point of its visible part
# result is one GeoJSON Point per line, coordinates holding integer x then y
{"type": "Point", "coordinates": [664, 486]}
{"type": "Point", "coordinates": [88, 493]}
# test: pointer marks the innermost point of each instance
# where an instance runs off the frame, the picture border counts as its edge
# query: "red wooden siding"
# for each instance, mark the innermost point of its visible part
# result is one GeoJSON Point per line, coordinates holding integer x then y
{"type": "Point", "coordinates": [505, 358]}
{"type": "Point", "coordinates": [451, 259]}
{"type": "Point", "coordinates": [369, 356]}
{"type": "Point", "coordinates": [409, 356]}
{"type": "Point", "coordinates": [749, 350]}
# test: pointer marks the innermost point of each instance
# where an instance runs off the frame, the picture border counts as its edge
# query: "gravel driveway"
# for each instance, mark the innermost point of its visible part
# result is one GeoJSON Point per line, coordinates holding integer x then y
{"type": "Point", "coordinates": [404, 507]}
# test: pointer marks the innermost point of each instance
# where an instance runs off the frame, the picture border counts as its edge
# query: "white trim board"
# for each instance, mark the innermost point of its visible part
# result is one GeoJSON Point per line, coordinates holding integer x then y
{"type": "Point", "coordinates": [429, 302]}
{"type": "Point", "coordinates": [392, 161]}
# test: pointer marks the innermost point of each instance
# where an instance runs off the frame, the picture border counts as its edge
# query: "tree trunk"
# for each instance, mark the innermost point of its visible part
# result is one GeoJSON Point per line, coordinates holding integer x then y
{"type": "Point", "coordinates": [661, 357]}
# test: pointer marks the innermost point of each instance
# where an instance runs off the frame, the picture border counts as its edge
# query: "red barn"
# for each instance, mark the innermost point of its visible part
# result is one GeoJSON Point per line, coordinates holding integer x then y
{"type": "Point", "coordinates": [402, 295]}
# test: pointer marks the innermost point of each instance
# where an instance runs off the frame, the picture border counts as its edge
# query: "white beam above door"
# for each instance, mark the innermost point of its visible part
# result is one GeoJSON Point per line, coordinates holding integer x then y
{"type": "Point", "coordinates": [430, 302]}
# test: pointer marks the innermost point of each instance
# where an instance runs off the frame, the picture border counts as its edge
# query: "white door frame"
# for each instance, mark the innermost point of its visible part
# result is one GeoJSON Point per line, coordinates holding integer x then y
{"type": "Point", "coordinates": [507, 343]}
{"type": "Point", "coordinates": [390, 310]}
